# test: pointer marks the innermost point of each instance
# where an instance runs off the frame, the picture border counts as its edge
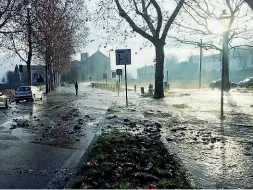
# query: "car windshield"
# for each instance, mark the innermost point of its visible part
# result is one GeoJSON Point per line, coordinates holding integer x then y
{"type": "Point", "coordinates": [23, 88]}
{"type": "Point", "coordinates": [247, 80]}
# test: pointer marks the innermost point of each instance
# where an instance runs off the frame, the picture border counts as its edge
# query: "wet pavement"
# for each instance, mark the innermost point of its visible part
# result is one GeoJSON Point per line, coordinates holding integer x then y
{"type": "Point", "coordinates": [41, 143]}
{"type": "Point", "coordinates": [218, 154]}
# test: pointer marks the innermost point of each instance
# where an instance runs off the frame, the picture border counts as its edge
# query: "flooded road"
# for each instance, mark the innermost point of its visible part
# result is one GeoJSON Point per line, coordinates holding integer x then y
{"type": "Point", "coordinates": [218, 153]}
{"type": "Point", "coordinates": [41, 143]}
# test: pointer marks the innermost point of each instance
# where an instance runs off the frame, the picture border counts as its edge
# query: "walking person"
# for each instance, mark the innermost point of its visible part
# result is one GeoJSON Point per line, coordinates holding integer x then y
{"type": "Point", "coordinates": [76, 87]}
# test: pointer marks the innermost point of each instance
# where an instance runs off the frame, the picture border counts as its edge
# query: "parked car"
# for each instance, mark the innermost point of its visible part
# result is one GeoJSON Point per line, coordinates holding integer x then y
{"type": "Point", "coordinates": [28, 93]}
{"type": "Point", "coordinates": [217, 84]}
{"type": "Point", "coordinates": [63, 84]}
{"type": "Point", "coordinates": [246, 82]}
{"type": "Point", "coordinates": [4, 100]}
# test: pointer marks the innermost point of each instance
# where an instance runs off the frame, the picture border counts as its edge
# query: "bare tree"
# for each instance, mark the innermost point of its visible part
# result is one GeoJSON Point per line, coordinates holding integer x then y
{"type": "Point", "coordinates": [8, 8]}
{"type": "Point", "coordinates": [204, 22]}
{"type": "Point", "coordinates": [20, 38]}
{"type": "Point", "coordinates": [57, 46]}
{"type": "Point", "coordinates": [148, 18]}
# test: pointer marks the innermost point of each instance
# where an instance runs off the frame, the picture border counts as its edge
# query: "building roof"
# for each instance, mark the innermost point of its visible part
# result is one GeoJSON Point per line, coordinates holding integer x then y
{"type": "Point", "coordinates": [98, 53]}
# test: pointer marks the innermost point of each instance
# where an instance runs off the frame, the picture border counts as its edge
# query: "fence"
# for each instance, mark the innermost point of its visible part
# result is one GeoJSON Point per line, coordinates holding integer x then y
{"type": "Point", "coordinates": [110, 87]}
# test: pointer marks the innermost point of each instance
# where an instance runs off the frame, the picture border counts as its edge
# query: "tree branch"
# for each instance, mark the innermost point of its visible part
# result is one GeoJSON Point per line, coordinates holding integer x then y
{"type": "Point", "coordinates": [159, 17]}
{"type": "Point", "coordinates": [123, 14]}
{"type": "Point", "coordinates": [171, 19]}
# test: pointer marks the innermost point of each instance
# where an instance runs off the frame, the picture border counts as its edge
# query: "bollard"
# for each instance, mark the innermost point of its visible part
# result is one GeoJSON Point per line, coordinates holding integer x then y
{"type": "Point", "coordinates": [168, 86]}
{"type": "Point", "coordinates": [118, 87]}
{"type": "Point", "coordinates": [165, 85]}
{"type": "Point", "coordinates": [134, 88]}
{"type": "Point", "coordinates": [150, 89]}
{"type": "Point", "coordinates": [142, 90]}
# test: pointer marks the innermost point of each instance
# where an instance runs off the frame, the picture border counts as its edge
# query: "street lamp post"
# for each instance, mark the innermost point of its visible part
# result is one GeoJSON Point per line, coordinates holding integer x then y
{"type": "Point", "coordinates": [225, 85]}
{"type": "Point", "coordinates": [200, 63]}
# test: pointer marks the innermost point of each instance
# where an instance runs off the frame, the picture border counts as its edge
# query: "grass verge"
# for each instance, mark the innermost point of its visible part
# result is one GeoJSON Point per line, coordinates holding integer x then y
{"type": "Point", "coordinates": [174, 94]}
{"type": "Point", "coordinates": [124, 161]}
{"type": "Point", "coordinates": [180, 106]}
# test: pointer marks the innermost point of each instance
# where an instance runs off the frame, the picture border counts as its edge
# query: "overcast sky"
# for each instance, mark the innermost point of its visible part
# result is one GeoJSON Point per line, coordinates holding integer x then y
{"type": "Point", "coordinates": [141, 55]}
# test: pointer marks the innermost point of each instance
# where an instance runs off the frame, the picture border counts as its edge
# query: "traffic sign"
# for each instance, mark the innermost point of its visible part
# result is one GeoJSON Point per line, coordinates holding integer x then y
{"type": "Point", "coordinates": [119, 71]}
{"type": "Point", "coordinates": [20, 68]}
{"type": "Point", "coordinates": [114, 74]}
{"type": "Point", "coordinates": [123, 57]}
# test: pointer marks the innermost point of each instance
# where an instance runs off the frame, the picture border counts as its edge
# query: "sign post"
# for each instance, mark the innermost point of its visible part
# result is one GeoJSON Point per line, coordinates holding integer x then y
{"type": "Point", "coordinates": [123, 57]}
{"type": "Point", "coordinates": [119, 73]}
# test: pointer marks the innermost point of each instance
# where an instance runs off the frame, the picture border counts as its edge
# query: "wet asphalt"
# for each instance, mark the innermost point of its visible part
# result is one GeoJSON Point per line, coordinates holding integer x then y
{"type": "Point", "coordinates": [27, 164]}
{"type": "Point", "coordinates": [218, 154]}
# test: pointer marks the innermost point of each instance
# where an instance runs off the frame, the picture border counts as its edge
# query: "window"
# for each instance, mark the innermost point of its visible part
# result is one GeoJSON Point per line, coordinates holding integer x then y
{"type": "Point", "coordinates": [24, 89]}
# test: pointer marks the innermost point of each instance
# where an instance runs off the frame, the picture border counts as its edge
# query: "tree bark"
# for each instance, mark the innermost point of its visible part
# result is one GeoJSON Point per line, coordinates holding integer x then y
{"type": "Point", "coordinates": [29, 75]}
{"type": "Point", "coordinates": [29, 56]}
{"type": "Point", "coordinates": [159, 92]}
{"type": "Point", "coordinates": [51, 78]}
{"type": "Point", "coordinates": [47, 87]}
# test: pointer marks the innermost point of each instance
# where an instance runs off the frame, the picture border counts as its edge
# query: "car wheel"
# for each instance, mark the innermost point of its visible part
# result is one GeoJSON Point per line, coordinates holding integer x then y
{"type": "Point", "coordinates": [6, 104]}
{"type": "Point", "coordinates": [41, 98]}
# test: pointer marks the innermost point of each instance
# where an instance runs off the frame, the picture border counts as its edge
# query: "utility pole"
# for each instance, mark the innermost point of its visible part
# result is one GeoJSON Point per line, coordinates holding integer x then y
{"type": "Point", "coordinates": [167, 77]}
{"type": "Point", "coordinates": [226, 62]}
{"type": "Point", "coordinates": [126, 86]}
{"type": "Point", "coordinates": [200, 62]}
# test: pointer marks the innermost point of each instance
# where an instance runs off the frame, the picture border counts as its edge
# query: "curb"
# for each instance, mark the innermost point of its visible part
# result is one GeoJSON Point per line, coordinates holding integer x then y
{"type": "Point", "coordinates": [75, 176]}
{"type": "Point", "coordinates": [67, 178]}
{"type": "Point", "coordinates": [181, 164]}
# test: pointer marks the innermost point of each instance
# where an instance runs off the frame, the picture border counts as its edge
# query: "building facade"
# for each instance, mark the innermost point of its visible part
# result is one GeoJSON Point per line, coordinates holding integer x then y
{"type": "Point", "coordinates": [214, 62]}
{"type": "Point", "coordinates": [38, 73]}
{"type": "Point", "coordinates": [98, 67]}
{"type": "Point", "coordinates": [146, 73]}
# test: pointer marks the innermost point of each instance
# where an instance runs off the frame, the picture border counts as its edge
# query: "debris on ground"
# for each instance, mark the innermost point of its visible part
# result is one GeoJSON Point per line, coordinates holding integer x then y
{"type": "Point", "coordinates": [122, 160]}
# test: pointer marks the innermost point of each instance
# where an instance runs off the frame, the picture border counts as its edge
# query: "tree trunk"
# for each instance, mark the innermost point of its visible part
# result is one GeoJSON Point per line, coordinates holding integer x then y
{"type": "Point", "coordinates": [51, 79]}
{"type": "Point", "coordinates": [226, 62]}
{"type": "Point", "coordinates": [29, 56]}
{"type": "Point", "coordinates": [159, 92]}
{"type": "Point", "coordinates": [55, 79]}
{"type": "Point", "coordinates": [47, 87]}
{"type": "Point", "coordinates": [29, 75]}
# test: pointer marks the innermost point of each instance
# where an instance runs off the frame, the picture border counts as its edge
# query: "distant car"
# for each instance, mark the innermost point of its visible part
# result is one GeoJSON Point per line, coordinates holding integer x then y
{"type": "Point", "coordinates": [63, 84]}
{"type": "Point", "coordinates": [233, 85]}
{"type": "Point", "coordinates": [246, 82]}
{"type": "Point", "coordinates": [4, 100]}
{"type": "Point", "coordinates": [28, 93]}
{"type": "Point", "coordinates": [217, 84]}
